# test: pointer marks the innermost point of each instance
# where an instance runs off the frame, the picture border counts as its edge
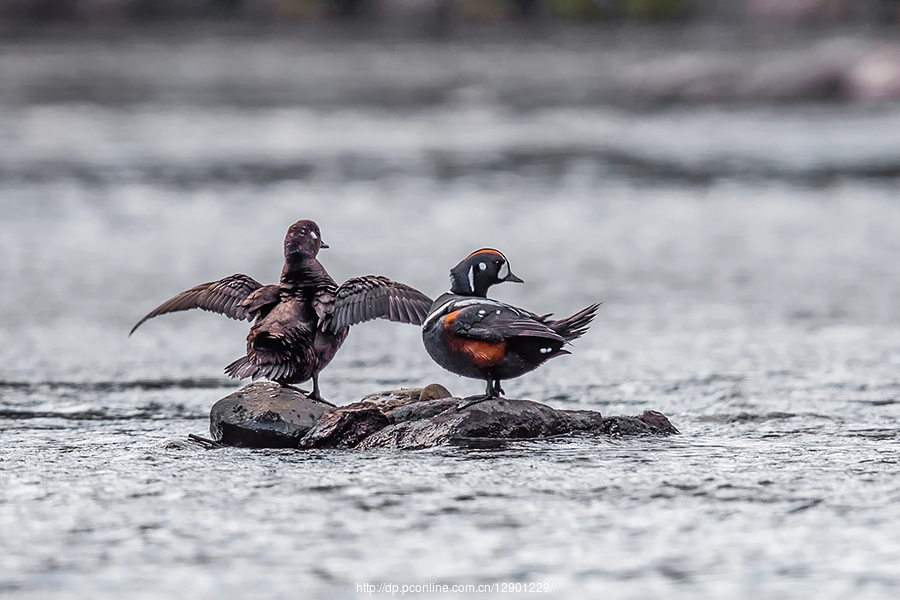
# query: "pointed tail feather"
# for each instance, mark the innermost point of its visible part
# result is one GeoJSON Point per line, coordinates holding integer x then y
{"type": "Point", "coordinates": [242, 368]}
{"type": "Point", "coordinates": [575, 326]}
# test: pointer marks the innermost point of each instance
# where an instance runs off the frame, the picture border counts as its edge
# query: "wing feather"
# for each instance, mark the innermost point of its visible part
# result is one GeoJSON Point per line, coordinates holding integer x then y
{"type": "Point", "coordinates": [396, 310]}
{"type": "Point", "coordinates": [485, 322]}
{"type": "Point", "coordinates": [374, 297]}
{"type": "Point", "coordinates": [223, 297]}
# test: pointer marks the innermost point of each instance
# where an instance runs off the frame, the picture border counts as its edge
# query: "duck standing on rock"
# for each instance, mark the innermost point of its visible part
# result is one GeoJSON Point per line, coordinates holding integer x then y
{"type": "Point", "coordinates": [300, 323]}
{"type": "Point", "coordinates": [471, 335]}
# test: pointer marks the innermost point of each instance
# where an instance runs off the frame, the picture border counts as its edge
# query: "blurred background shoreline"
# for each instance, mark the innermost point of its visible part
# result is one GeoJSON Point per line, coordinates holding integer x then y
{"type": "Point", "coordinates": [525, 54]}
{"type": "Point", "coordinates": [683, 102]}
{"type": "Point", "coordinates": [453, 12]}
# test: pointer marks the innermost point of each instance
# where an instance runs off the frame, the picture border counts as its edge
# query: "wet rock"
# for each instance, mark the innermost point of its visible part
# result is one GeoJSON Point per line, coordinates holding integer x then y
{"type": "Point", "coordinates": [422, 410]}
{"type": "Point", "coordinates": [649, 423]}
{"type": "Point", "coordinates": [584, 420]}
{"type": "Point", "coordinates": [393, 399]}
{"type": "Point", "coordinates": [345, 427]}
{"type": "Point", "coordinates": [503, 419]}
{"type": "Point", "coordinates": [499, 419]}
{"type": "Point", "coordinates": [264, 415]}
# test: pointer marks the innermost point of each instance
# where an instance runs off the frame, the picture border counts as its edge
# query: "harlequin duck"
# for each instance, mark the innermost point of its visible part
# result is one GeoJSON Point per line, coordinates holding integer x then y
{"type": "Point", "coordinates": [300, 323]}
{"type": "Point", "coordinates": [471, 335]}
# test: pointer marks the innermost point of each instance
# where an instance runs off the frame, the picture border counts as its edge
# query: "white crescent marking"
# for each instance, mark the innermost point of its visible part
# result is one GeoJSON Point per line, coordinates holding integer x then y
{"type": "Point", "coordinates": [456, 304]}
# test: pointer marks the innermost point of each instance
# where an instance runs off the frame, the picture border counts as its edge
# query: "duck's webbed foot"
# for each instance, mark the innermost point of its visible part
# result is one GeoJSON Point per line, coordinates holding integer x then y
{"type": "Point", "coordinates": [295, 388]}
{"type": "Point", "coordinates": [313, 395]}
{"type": "Point", "coordinates": [493, 391]}
{"type": "Point", "coordinates": [316, 395]}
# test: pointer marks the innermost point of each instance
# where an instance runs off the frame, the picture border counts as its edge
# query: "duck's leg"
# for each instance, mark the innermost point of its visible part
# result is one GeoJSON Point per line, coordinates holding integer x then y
{"type": "Point", "coordinates": [315, 395]}
{"type": "Point", "coordinates": [489, 393]}
{"type": "Point", "coordinates": [291, 386]}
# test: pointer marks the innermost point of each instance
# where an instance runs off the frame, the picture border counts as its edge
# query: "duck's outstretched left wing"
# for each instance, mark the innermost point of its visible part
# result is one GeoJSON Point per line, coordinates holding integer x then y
{"type": "Point", "coordinates": [374, 297]}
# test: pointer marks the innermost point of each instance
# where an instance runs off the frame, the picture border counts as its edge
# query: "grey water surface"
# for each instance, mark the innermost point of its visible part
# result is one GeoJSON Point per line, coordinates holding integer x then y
{"type": "Point", "coordinates": [749, 265]}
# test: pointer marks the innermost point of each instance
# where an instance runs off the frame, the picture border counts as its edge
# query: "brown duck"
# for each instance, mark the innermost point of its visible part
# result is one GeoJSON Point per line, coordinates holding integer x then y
{"type": "Point", "coordinates": [299, 324]}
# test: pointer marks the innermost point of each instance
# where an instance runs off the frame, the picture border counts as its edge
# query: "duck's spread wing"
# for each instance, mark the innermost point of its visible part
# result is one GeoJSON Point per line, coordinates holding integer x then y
{"type": "Point", "coordinates": [493, 323]}
{"type": "Point", "coordinates": [374, 297]}
{"type": "Point", "coordinates": [225, 297]}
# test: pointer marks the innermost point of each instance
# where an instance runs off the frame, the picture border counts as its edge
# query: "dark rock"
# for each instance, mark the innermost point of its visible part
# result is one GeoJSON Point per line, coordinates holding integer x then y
{"type": "Point", "coordinates": [649, 423]}
{"type": "Point", "coordinates": [584, 420]}
{"type": "Point", "coordinates": [658, 422]}
{"type": "Point", "coordinates": [494, 422]}
{"type": "Point", "coordinates": [345, 427]}
{"type": "Point", "coordinates": [500, 418]}
{"type": "Point", "coordinates": [439, 422]}
{"type": "Point", "coordinates": [266, 415]}
{"type": "Point", "coordinates": [263, 415]}
{"type": "Point", "coordinates": [421, 410]}
{"type": "Point", "coordinates": [393, 399]}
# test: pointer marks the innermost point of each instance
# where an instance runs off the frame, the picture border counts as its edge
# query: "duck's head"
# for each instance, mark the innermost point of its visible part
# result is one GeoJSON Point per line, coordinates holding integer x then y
{"type": "Point", "coordinates": [303, 240]}
{"type": "Point", "coordinates": [479, 271]}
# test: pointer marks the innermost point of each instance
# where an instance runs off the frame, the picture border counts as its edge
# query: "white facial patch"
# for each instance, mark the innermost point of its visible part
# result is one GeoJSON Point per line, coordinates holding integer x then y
{"type": "Point", "coordinates": [472, 278]}
{"type": "Point", "coordinates": [313, 235]}
{"type": "Point", "coordinates": [482, 266]}
{"type": "Point", "coordinates": [503, 273]}
{"type": "Point", "coordinates": [546, 350]}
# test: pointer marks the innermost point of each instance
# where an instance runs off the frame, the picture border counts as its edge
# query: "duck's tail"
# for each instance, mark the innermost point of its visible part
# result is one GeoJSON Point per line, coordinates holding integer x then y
{"type": "Point", "coordinates": [242, 368]}
{"type": "Point", "coordinates": [575, 326]}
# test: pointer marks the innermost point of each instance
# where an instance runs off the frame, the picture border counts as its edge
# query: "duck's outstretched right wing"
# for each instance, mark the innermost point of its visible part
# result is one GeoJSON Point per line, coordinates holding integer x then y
{"type": "Point", "coordinates": [225, 297]}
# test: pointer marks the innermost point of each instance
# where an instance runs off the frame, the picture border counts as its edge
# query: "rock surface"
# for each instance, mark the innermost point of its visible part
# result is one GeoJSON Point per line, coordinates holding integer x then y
{"type": "Point", "coordinates": [265, 415]}
{"type": "Point", "coordinates": [349, 425]}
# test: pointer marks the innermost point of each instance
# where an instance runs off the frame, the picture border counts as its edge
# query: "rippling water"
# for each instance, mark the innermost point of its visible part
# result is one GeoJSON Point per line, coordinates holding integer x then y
{"type": "Point", "coordinates": [749, 265]}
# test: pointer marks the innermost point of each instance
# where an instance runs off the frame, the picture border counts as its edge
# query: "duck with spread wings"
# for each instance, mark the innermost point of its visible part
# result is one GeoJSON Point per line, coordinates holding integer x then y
{"type": "Point", "coordinates": [300, 323]}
